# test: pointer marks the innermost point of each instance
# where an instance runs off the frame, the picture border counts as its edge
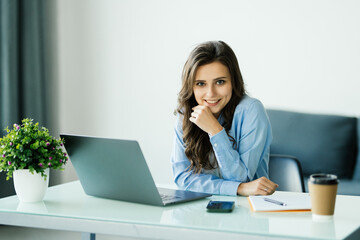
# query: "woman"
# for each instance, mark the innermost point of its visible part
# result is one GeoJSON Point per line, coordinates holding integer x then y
{"type": "Point", "coordinates": [222, 136]}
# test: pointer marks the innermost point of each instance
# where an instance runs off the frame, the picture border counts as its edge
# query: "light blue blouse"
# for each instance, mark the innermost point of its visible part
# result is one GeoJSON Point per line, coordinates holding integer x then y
{"type": "Point", "coordinates": [252, 131]}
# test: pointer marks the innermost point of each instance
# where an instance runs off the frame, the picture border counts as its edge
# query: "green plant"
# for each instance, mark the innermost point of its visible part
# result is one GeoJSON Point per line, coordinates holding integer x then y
{"type": "Point", "coordinates": [27, 146]}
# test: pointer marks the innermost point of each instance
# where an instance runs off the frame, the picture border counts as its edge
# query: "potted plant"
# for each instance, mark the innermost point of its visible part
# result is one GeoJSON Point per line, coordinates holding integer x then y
{"type": "Point", "coordinates": [27, 152]}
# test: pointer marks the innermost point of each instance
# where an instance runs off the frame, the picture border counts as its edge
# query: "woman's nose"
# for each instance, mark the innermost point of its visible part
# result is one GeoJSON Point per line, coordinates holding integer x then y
{"type": "Point", "coordinates": [210, 91]}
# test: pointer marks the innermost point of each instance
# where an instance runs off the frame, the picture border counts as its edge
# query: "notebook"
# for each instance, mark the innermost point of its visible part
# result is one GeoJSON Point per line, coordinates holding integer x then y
{"type": "Point", "coordinates": [279, 203]}
{"type": "Point", "coordinates": [116, 169]}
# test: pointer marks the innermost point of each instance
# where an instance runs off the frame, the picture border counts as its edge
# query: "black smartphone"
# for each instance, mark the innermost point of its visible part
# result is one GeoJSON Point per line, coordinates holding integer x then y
{"type": "Point", "coordinates": [220, 206]}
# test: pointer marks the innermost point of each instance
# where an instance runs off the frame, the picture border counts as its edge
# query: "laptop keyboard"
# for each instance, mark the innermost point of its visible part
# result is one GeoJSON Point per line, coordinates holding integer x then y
{"type": "Point", "coordinates": [165, 197]}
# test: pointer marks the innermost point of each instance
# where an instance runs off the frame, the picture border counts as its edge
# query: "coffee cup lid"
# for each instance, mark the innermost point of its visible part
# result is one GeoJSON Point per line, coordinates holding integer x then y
{"type": "Point", "coordinates": [323, 178]}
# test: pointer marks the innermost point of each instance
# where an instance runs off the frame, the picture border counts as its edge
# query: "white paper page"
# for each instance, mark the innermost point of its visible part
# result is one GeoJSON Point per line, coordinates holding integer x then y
{"type": "Point", "coordinates": [293, 202]}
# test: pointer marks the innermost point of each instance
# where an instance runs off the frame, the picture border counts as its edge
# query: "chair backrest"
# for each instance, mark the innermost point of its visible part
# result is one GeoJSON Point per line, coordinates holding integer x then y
{"type": "Point", "coordinates": [286, 171]}
{"type": "Point", "coordinates": [357, 166]}
{"type": "Point", "coordinates": [322, 143]}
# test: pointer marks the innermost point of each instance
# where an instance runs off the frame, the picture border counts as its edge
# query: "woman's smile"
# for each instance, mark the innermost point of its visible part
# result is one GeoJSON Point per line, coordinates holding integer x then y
{"type": "Point", "coordinates": [212, 103]}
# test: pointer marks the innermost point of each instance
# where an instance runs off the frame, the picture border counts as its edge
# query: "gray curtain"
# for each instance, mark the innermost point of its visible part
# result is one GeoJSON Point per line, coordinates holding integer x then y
{"type": "Point", "coordinates": [24, 61]}
{"type": "Point", "coordinates": [25, 64]}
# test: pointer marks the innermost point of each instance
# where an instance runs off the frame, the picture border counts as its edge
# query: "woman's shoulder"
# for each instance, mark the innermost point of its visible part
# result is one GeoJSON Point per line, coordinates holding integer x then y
{"type": "Point", "coordinates": [247, 104]}
{"type": "Point", "coordinates": [251, 110]}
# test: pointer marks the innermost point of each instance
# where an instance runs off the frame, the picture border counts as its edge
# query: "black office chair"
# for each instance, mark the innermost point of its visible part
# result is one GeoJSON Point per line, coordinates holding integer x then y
{"type": "Point", "coordinates": [6, 187]}
{"type": "Point", "coordinates": [286, 171]}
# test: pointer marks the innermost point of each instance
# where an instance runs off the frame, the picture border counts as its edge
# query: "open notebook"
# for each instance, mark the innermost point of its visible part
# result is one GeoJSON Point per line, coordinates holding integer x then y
{"type": "Point", "coordinates": [295, 202]}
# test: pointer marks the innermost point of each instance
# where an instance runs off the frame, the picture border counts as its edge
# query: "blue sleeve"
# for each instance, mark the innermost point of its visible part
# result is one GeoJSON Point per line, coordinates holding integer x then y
{"type": "Point", "coordinates": [188, 180]}
{"type": "Point", "coordinates": [252, 132]}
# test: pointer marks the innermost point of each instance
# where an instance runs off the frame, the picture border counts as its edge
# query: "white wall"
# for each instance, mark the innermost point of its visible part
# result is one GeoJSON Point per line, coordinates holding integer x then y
{"type": "Point", "coordinates": [120, 61]}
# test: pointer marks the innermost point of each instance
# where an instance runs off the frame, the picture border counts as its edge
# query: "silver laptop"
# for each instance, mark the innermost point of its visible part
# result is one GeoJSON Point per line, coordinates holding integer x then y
{"type": "Point", "coordinates": [116, 169]}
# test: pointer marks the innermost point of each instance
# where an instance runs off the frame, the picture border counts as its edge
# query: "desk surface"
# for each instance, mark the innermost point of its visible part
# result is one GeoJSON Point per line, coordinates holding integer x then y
{"type": "Point", "coordinates": [67, 207]}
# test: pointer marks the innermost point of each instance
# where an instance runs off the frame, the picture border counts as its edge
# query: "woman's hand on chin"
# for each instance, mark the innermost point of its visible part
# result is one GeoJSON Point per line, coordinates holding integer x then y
{"type": "Point", "coordinates": [205, 119]}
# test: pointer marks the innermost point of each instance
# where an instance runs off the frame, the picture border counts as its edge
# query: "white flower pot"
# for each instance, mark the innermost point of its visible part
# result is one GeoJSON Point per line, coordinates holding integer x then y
{"type": "Point", "coordinates": [30, 187]}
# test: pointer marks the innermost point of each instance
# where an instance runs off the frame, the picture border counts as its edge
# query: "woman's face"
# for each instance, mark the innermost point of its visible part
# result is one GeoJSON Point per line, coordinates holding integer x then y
{"type": "Point", "coordinates": [212, 86]}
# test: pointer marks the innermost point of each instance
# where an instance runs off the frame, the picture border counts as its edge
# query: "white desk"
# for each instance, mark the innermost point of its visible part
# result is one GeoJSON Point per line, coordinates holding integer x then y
{"type": "Point", "coordinates": [67, 208]}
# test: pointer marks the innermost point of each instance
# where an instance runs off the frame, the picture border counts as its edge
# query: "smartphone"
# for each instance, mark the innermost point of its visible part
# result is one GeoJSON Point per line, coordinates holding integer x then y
{"type": "Point", "coordinates": [220, 206]}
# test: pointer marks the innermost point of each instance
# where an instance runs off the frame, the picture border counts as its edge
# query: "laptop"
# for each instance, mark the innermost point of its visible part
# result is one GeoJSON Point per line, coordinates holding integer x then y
{"type": "Point", "coordinates": [116, 169]}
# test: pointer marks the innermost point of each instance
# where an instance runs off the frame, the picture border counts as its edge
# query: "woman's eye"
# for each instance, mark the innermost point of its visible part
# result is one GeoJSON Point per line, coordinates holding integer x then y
{"type": "Point", "coordinates": [200, 84]}
{"type": "Point", "coordinates": [219, 82]}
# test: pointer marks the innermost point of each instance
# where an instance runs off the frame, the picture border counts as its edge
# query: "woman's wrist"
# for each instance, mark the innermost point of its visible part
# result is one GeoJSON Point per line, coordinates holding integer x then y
{"type": "Point", "coordinates": [216, 129]}
{"type": "Point", "coordinates": [239, 190]}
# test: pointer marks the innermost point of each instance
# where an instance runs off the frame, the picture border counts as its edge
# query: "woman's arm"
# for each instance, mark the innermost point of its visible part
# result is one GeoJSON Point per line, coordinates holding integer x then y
{"type": "Point", "coordinates": [252, 132]}
{"type": "Point", "coordinates": [188, 180]}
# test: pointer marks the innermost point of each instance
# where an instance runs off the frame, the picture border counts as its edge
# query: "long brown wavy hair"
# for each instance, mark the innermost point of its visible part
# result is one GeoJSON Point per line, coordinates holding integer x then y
{"type": "Point", "coordinates": [197, 143]}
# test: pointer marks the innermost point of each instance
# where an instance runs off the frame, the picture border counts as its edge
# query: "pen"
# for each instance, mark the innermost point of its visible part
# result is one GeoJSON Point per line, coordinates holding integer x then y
{"type": "Point", "coordinates": [274, 201]}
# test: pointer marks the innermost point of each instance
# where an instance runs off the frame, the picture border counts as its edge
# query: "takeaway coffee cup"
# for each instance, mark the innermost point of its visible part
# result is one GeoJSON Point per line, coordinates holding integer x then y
{"type": "Point", "coordinates": [323, 188]}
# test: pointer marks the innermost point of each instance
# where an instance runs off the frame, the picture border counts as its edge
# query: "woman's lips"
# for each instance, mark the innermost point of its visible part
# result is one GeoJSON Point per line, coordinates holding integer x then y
{"type": "Point", "coordinates": [212, 103]}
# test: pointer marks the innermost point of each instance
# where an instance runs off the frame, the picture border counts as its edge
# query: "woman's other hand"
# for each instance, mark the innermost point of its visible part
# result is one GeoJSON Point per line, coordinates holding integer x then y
{"type": "Point", "coordinates": [260, 186]}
